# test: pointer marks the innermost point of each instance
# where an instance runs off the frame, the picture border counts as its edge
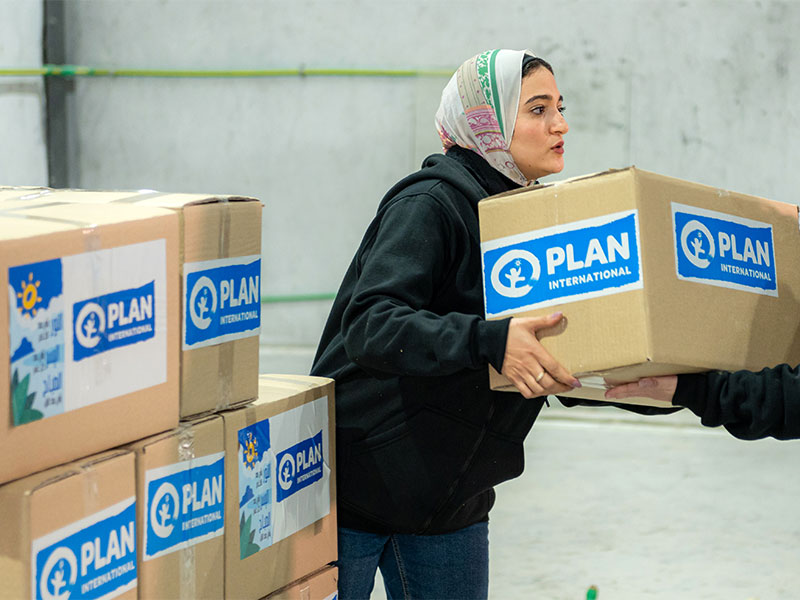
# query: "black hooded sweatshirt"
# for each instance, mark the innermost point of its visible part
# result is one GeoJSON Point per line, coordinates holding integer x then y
{"type": "Point", "coordinates": [751, 406]}
{"type": "Point", "coordinates": [421, 440]}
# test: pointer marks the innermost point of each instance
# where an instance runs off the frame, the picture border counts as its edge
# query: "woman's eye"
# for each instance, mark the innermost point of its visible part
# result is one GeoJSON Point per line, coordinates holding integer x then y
{"type": "Point", "coordinates": [562, 109]}
{"type": "Point", "coordinates": [538, 110]}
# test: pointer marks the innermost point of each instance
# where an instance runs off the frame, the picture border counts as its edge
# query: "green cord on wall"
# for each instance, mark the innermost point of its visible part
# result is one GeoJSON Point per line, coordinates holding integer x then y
{"type": "Point", "coordinates": [84, 71]}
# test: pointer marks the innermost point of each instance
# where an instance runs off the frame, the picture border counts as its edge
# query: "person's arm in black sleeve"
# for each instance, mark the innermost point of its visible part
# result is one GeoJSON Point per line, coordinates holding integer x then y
{"type": "Point", "coordinates": [388, 328]}
{"type": "Point", "coordinates": [749, 405]}
{"type": "Point", "coordinates": [634, 408]}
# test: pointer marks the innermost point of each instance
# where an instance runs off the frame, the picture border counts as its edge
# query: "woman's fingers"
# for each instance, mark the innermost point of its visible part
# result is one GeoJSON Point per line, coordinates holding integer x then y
{"type": "Point", "coordinates": [527, 364]}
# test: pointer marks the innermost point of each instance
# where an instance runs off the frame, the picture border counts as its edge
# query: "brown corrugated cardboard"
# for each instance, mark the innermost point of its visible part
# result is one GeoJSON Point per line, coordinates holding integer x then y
{"type": "Point", "coordinates": [181, 512]}
{"type": "Point", "coordinates": [70, 531]}
{"type": "Point", "coordinates": [655, 275]}
{"type": "Point", "coordinates": [280, 510]}
{"type": "Point", "coordinates": [91, 310]}
{"type": "Point", "coordinates": [220, 273]}
{"type": "Point", "coordinates": [323, 585]}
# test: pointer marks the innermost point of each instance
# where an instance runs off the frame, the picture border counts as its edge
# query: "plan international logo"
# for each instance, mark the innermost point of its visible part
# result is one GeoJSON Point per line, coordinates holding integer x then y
{"type": "Point", "coordinates": [724, 250]}
{"type": "Point", "coordinates": [222, 300]}
{"type": "Point", "coordinates": [113, 320]}
{"type": "Point", "coordinates": [91, 558]}
{"type": "Point", "coordinates": [185, 504]}
{"type": "Point", "coordinates": [580, 260]}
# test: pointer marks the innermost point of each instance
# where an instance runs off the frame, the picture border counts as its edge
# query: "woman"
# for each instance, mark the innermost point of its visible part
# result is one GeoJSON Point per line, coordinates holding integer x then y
{"type": "Point", "coordinates": [421, 440]}
{"type": "Point", "coordinates": [749, 405]}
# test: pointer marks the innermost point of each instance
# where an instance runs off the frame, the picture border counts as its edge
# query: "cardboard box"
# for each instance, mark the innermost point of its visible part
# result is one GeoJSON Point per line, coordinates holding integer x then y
{"type": "Point", "coordinates": [180, 483]}
{"type": "Point", "coordinates": [323, 585]}
{"type": "Point", "coordinates": [220, 287]}
{"type": "Point", "coordinates": [71, 531]}
{"type": "Point", "coordinates": [655, 275]}
{"type": "Point", "coordinates": [280, 510]}
{"type": "Point", "coordinates": [90, 309]}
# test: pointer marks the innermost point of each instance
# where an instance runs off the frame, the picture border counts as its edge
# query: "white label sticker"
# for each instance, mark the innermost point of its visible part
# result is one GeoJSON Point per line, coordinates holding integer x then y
{"type": "Point", "coordinates": [86, 328]}
{"type": "Point", "coordinates": [284, 475]}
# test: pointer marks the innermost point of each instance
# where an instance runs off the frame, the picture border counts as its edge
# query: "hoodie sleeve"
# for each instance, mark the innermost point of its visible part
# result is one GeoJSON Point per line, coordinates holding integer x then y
{"type": "Point", "coordinates": [749, 405]}
{"type": "Point", "coordinates": [388, 327]}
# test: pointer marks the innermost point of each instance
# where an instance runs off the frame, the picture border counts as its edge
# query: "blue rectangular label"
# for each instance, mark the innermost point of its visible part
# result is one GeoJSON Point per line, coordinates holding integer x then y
{"type": "Point", "coordinates": [299, 466]}
{"type": "Point", "coordinates": [724, 250]}
{"type": "Point", "coordinates": [113, 320]}
{"type": "Point", "coordinates": [585, 259]}
{"type": "Point", "coordinates": [221, 302]}
{"type": "Point", "coordinates": [184, 506]}
{"type": "Point", "coordinates": [95, 560]}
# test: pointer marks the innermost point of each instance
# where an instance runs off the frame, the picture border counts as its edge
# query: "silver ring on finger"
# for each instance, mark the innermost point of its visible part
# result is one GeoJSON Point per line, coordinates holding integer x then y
{"type": "Point", "coordinates": [539, 377]}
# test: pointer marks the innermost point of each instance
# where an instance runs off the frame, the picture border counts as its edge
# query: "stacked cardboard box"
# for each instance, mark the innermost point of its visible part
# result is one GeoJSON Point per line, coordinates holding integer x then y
{"type": "Point", "coordinates": [219, 283]}
{"type": "Point", "coordinates": [70, 531]}
{"type": "Point", "coordinates": [655, 275]}
{"type": "Point", "coordinates": [280, 509]}
{"type": "Point", "coordinates": [96, 283]}
{"type": "Point", "coordinates": [322, 585]}
{"type": "Point", "coordinates": [180, 524]}
{"type": "Point", "coordinates": [90, 307]}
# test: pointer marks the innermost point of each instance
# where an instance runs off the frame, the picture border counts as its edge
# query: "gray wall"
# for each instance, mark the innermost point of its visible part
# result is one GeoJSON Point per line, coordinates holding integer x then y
{"type": "Point", "coordinates": [23, 155]}
{"type": "Point", "coordinates": [703, 91]}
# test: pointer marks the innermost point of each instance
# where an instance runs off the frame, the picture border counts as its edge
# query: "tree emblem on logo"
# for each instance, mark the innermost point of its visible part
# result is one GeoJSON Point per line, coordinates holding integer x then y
{"type": "Point", "coordinates": [160, 513]}
{"type": "Point", "coordinates": [202, 302]}
{"type": "Point", "coordinates": [286, 471]}
{"type": "Point", "coordinates": [511, 282]}
{"type": "Point", "coordinates": [60, 572]}
{"type": "Point", "coordinates": [697, 244]}
{"type": "Point", "coordinates": [90, 324]}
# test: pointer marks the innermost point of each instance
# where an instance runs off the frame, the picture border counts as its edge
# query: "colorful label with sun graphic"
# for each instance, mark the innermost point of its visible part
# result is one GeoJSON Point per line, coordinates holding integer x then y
{"type": "Point", "coordinates": [86, 328]}
{"type": "Point", "coordinates": [284, 477]}
{"type": "Point", "coordinates": [37, 340]}
{"type": "Point", "coordinates": [255, 488]}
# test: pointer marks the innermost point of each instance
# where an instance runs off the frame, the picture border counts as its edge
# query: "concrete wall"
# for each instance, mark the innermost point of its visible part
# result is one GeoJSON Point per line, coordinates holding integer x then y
{"type": "Point", "coordinates": [703, 90]}
{"type": "Point", "coordinates": [23, 153]}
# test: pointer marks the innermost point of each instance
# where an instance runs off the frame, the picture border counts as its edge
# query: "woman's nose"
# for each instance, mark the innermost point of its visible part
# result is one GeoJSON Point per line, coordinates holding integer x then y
{"type": "Point", "coordinates": [560, 124]}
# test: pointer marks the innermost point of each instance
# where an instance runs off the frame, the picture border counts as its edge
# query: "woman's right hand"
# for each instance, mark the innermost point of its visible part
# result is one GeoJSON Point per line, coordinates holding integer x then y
{"type": "Point", "coordinates": [531, 368]}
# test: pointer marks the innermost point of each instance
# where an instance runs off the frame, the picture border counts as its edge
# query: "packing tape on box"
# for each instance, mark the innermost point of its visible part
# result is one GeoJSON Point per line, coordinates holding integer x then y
{"type": "Point", "coordinates": [139, 196]}
{"type": "Point", "coordinates": [188, 560]}
{"type": "Point", "coordinates": [225, 350]}
{"type": "Point", "coordinates": [225, 379]}
{"type": "Point", "coordinates": [13, 213]}
{"type": "Point", "coordinates": [30, 193]}
{"type": "Point", "coordinates": [91, 239]}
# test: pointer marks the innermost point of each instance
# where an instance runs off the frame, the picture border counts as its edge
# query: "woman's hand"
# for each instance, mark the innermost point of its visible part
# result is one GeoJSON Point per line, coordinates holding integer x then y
{"type": "Point", "coordinates": [657, 388]}
{"type": "Point", "coordinates": [528, 365]}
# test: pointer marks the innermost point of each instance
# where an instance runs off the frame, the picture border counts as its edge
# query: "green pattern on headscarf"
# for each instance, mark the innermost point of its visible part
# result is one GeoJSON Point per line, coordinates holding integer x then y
{"type": "Point", "coordinates": [487, 78]}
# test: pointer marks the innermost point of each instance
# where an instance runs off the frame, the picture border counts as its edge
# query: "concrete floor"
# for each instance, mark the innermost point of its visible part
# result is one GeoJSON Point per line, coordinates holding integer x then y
{"type": "Point", "coordinates": [646, 507]}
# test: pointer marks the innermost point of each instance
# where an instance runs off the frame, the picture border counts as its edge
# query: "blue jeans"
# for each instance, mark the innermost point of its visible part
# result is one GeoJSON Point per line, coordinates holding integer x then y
{"type": "Point", "coordinates": [451, 565]}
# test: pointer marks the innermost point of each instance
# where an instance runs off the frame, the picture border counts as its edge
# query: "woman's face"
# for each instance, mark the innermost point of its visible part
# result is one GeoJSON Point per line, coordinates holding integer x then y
{"type": "Point", "coordinates": [537, 145]}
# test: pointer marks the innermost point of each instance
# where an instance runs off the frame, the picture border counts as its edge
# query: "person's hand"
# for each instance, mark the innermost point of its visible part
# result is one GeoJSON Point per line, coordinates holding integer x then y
{"type": "Point", "coordinates": [658, 388]}
{"type": "Point", "coordinates": [528, 365]}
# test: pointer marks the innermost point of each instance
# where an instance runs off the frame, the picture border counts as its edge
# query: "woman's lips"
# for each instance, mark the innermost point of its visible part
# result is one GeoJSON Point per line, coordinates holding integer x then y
{"type": "Point", "coordinates": [558, 148]}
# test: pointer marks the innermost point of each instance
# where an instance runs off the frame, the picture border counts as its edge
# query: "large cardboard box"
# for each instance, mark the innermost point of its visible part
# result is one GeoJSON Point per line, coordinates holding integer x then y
{"type": "Point", "coordinates": [280, 510]}
{"type": "Point", "coordinates": [323, 585]}
{"type": "Point", "coordinates": [90, 311]}
{"type": "Point", "coordinates": [180, 483]}
{"type": "Point", "coordinates": [655, 275]}
{"type": "Point", "coordinates": [70, 531]}
{"type": "Point", "coordinates": [220, 287]}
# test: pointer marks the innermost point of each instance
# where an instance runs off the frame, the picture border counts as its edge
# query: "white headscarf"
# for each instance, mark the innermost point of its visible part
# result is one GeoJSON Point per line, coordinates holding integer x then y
{"type": "Point", "coordinates": [479, 108]}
